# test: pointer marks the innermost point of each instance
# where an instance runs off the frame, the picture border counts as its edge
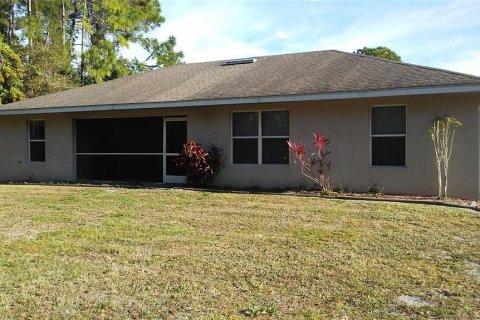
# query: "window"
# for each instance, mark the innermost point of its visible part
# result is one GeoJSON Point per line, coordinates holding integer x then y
{"type": "Point", "coordinates": [36, 135]}
{"type": "Point", "coordinates": [275, 133]}
{"type": "Point", "coordinates": [388, 132]}
{"type": "Point", "coordinates": [245, 137]}
{"type": "Point", "coordinates": [260, 137]}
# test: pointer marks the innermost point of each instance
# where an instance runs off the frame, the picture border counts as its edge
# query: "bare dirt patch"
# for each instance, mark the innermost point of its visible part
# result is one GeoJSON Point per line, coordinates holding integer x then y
{"type": "Point", "coordinates": [473, 268]}
{"type": "Point", "coordinates": [412, 301]}
{"type": "Point", "coordinates": [26, 232]}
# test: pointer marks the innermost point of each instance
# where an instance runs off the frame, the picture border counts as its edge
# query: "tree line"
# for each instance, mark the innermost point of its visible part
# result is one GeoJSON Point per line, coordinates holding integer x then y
{"type": "Point", "coordinates": [52, 45]}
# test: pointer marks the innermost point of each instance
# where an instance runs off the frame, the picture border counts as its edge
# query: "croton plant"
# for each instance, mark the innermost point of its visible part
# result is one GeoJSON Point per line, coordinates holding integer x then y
{"type": "Point", "coordinates": [314, 165]}
{"type": "Point", "coordinates": [200, 164]}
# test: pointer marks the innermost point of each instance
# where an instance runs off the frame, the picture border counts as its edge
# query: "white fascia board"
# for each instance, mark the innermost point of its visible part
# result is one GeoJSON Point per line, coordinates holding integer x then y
{"type": "Point", "coordinates": [253, 100]}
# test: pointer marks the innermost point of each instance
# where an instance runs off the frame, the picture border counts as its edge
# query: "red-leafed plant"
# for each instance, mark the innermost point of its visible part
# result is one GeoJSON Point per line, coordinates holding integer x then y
{"type": "Point", "coordinates": [316, 165]}
{"type": "Point", "coordinates": [200, 164]}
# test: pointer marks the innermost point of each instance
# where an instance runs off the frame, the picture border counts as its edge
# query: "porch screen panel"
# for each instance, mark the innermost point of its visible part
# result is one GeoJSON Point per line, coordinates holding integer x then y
{"type": "Point", "coordinates": [120, 149]}
{"type": "Point", "coordinates": [141, 168]}
{"type": "Point", "coordinates": [120, 135]}
{"type": "Point", "coordinates": [176, 136]}
{"type": "Point", "coordinates": [171, 167]}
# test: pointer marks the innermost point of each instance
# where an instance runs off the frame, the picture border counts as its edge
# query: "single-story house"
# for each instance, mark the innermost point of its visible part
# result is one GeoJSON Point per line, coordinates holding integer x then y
{"type": "Point", "coordinates": [375, 112]}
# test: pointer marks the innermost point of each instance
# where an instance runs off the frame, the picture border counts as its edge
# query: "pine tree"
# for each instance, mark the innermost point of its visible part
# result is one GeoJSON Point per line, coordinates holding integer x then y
{"type": "Point", "coordinates": [108, 26]}
{"type": "Point", "coordinates": [66, 43]}
{"type": "Point", "coordinates": [46, 56]}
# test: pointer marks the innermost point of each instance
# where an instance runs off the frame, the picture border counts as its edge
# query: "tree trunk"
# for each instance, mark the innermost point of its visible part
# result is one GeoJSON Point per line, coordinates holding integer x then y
{"type": "Point", "coordinates": [63, 23]}
{"type": "Point", "coordinates": [82, 64]}
{"type": "Point", "coordinates": [36, 8]}
{"type": "Point", "coordinates": [11, 18]}
{"type": "Point", "coordinates": [29, 14]}
{"type": "Point", "coordinates": [445, 169]}
{"type": "Point", "coordinates": [439, 173]}
{"type": "Point", "coordinates": [73, 25]}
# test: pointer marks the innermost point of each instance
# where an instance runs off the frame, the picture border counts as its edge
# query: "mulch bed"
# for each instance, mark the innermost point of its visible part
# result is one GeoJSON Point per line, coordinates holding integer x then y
{"type": "Point", "coordinates": [450, 202]}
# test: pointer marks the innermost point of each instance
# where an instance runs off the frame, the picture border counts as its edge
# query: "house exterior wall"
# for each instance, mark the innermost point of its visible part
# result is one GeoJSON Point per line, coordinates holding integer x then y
{"type": "Point", "coordinates": [14, 149]}
{"type": "Point", "coordinates": [345, 122]}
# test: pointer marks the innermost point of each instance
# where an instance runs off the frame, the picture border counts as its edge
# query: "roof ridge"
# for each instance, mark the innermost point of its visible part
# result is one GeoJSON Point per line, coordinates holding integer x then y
{"type": "Point", "coordinates": [264, 56]}
{"type": "Point", "coordinates": [408, 64]}
{"type": "Point", "coordinates": [293, 53]}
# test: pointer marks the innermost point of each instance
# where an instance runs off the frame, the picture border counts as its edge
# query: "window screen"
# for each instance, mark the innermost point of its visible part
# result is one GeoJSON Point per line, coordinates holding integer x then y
{"type": "Point", "coordinates": [275, 123]}
{"type": "Point", "coordinates": [388, 120]}
{"type": "Point", "coordinates": [245, 124]}
{"type": "Point", "coordinates": [274, 151]}
{"type": "Point", "coordinates": [245, 137]}
{"type": "Point", "coordinates": [271, 143]}
{"type": "Point", "coordinates": [388, 134]}
{"type": "Point", "coordinates": [36, 142]}
{"type": "Point", "coordinates": [245, 151]}
{"type": "Point", "coordinates": [388, 151]}
{"type": "Point", "coordinates": [37, 130]}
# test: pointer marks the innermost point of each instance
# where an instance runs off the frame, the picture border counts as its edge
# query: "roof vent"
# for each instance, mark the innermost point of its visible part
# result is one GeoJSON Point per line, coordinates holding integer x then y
{"type": "Point", "coordinates": [239, 61]}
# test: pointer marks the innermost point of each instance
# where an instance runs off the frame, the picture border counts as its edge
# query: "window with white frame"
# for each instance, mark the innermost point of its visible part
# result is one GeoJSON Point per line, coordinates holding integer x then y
{"type": "Point", "coordinates": [260, 137]}
{"type": "Point", "coordinates": [36, 142]}
{"type": "Point", "coordinates": [388, 136]}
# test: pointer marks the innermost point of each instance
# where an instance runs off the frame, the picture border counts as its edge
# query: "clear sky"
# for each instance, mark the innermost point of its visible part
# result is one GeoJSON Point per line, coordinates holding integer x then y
{"type": "Point", "coordinates": [443, 34]}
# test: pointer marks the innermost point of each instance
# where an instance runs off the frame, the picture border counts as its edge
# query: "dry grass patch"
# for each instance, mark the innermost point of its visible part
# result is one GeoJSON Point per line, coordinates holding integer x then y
{"type": "Point", "coordinates": [108, 253]}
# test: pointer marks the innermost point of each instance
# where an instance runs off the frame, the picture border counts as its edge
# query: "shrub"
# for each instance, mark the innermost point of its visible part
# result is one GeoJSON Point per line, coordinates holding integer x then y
{"type": "Point", "coordinates": [317, 162]}
{"type": "Point", "coordinates": [201, 165]}
{"type": "Point", "coordinates": [376, 189]}
{"type": "Point", "coordinates": [342, 189]}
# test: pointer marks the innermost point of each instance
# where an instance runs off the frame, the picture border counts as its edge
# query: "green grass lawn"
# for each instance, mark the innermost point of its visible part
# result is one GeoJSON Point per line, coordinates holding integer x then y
{"type": "Point", "coordinates": [110, 253]}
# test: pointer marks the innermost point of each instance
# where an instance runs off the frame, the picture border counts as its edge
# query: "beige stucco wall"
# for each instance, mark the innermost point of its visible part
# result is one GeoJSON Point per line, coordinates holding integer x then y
{"type": "Point", "coordinates": [345, 122]}
{"type": "Point", "coordinates": [14, 160]}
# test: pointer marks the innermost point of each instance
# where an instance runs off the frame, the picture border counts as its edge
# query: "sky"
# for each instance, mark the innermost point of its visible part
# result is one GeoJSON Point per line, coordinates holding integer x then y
{"type": "Point", "coordinates": [436, 33]}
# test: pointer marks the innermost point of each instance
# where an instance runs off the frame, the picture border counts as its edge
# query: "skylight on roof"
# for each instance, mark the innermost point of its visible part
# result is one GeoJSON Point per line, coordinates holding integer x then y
{"type": "Point", "coordinates": [239, 61]}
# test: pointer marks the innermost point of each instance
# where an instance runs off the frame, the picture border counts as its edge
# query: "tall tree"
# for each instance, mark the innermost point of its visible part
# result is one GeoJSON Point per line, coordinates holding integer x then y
{"type": "Point", "coordinates": [11, 70]}
{"type": "Point", "coordinates": [66, 43]}
{"type": "Point", "coordinates": [46, 56]}
{"type": "Point", "coordinates": [380, 52]}
{"type": "Point", "coordinates": [7, 20]}
{"type": "Point", "coordinates": [107, 26]}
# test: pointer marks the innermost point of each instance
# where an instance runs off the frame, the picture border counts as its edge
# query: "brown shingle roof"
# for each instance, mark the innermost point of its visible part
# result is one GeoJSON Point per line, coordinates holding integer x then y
{"type": "Point", "coordinates": [289, 74]}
